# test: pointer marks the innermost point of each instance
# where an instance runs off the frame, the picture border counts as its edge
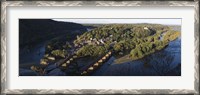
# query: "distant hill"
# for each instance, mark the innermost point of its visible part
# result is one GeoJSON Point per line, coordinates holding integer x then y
{"type": "Point", "coordinates": [34, 30]}
{"type": "Point", "coordinates": [176, 27]}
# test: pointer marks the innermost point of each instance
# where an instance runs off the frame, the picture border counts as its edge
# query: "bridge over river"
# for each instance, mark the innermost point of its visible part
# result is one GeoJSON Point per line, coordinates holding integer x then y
{"type": "Point", "coordinates": [89, 69]}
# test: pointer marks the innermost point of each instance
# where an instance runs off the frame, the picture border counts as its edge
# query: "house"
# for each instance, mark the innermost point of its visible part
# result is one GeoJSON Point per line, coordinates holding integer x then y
{"type": "Point", "coordinates": [146, 28]}
{"type": "Point", "coordinates": [102, 41]}
{"type": "Point", "coordinates": [75, 45]}
{"type": "Point", "coordinates": [81, 43]}
{"type": "Point", "coordinates": [95, 39]}
{"type": "Point", "coordinates": [107, 38]}
{"type": "Point", "coordinates": [112, 44]}
{"type": "Point", "coordinates": [98, 42]}
{"type": "Point", "coordinates": [89, 41]}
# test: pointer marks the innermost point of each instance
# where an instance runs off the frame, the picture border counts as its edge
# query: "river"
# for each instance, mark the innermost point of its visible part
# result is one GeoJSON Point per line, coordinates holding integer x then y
{"type": "Point", "coordinates": [29, 57]}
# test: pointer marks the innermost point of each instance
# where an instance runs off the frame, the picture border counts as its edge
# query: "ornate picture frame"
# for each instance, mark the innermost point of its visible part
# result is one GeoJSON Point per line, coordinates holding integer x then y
{"type": "Point", "coordinates": [4, 56]}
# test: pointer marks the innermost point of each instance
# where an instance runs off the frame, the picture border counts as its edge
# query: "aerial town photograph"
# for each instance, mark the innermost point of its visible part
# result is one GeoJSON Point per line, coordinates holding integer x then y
{"type": "Point", "coordinates": [100, 47]}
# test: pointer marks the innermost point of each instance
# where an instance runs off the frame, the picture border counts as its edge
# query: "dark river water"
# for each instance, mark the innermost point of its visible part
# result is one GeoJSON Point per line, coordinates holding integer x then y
{"type": "Point", "coordinates": [29, 57]}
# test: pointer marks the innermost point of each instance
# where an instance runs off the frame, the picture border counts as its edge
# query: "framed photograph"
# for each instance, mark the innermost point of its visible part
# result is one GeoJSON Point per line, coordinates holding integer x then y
{"type": "Point", "coordinates": [99, 47]}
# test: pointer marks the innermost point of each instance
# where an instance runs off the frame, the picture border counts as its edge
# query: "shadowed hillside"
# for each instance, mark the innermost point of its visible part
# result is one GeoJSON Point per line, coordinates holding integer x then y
{"type": "Point", "coordinates": [32, 31]}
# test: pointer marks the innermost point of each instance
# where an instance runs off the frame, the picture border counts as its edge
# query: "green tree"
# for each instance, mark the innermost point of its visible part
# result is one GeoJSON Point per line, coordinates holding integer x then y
{"type": "Point", "coordinates": [59, 53]}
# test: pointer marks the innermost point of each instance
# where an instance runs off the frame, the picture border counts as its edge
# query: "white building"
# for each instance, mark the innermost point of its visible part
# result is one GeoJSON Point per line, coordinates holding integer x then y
{"type": "Point", "coordinates": [146, 28]}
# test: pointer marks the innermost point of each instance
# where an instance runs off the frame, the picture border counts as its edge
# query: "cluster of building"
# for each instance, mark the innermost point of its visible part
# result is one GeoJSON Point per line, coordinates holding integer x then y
{"type": "Point", "coordinates": [93, 41]}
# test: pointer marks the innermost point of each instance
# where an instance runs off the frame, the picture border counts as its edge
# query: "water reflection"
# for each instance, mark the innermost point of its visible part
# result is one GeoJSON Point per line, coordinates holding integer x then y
{"type": "Point", "coordinates": [161, 63]}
